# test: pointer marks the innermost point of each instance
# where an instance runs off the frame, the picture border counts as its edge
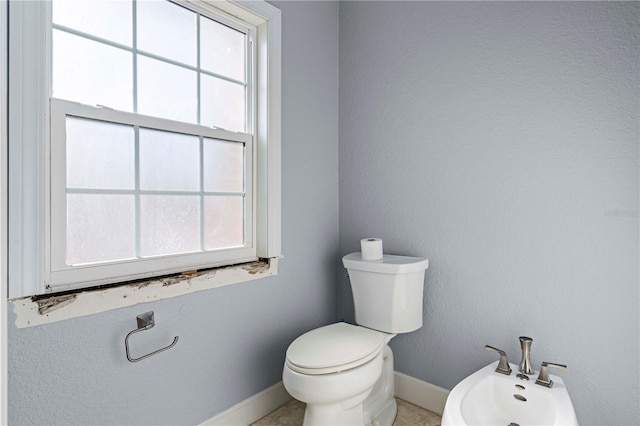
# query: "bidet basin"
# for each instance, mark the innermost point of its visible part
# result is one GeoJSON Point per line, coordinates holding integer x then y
{"type": "Point", "coordinates": [490, 398]}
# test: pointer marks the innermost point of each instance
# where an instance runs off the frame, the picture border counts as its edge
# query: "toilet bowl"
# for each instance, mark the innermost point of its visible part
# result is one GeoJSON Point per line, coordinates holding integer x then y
{"type": "Point", "coordinates": [344, 372]}
{"type": "Point", "coordinates": [333, 369]}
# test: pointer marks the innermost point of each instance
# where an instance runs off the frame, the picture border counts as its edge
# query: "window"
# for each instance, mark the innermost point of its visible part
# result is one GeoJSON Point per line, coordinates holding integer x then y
{"type": "Point", "coordinates": [159, 151]}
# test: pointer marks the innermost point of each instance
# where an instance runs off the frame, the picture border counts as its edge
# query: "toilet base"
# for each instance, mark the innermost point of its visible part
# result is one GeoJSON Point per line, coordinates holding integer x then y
{"type": "Point", "coordinates": [386, 416]}
{"type": "Point", "coordinates": [380, 407]}
{"type": "Point", "coordinates": [335, 414]}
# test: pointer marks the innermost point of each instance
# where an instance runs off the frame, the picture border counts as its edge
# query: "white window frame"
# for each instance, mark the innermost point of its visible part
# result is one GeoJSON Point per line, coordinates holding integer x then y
{"type": "Point", "coordinates": [29, 60]}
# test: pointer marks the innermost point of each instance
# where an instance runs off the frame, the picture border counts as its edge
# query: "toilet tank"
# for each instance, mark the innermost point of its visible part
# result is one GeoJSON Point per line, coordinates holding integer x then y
{"type": "Point", "coordinates": [387, 293]}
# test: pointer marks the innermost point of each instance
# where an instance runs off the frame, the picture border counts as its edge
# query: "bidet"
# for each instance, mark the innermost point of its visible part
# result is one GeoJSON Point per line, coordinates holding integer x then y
{"type": "Point", "coordinates": [488, 398]}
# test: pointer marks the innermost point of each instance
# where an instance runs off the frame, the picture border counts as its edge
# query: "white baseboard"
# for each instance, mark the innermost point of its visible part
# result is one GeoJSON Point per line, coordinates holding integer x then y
{"type": "Point", "coordinates": [253, 408]}
{"type": "Point", "coordinates": [421, 393]}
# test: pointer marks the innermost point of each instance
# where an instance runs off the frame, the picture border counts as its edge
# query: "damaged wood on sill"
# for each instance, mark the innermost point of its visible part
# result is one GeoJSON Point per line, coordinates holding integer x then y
{"type": "Point", "coordinates": [52, 303]}
{"type": "Point", "coordinates": [48, 308]}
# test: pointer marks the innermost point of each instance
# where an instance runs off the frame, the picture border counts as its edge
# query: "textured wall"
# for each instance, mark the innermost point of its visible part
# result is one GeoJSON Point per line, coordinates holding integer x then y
{"type": "Point", "coordinates": [498, 140]}
{"type": "Point", "coordinates": [232, 339]}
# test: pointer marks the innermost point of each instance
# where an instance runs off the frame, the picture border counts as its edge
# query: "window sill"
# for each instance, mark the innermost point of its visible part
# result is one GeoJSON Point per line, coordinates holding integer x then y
{"type": "Point", "coordinates": [32, 311]}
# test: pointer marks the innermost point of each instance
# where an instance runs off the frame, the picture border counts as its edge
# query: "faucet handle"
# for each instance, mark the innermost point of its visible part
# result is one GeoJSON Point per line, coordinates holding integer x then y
{"type": "Point", "coordinates": [503, 365]}
{"type": "Point", "coordinates": [543, 377]}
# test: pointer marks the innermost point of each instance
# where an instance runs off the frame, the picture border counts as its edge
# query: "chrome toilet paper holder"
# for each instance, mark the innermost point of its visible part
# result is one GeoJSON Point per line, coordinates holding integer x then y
{"type": "Point", "coordinates": [145, 322]}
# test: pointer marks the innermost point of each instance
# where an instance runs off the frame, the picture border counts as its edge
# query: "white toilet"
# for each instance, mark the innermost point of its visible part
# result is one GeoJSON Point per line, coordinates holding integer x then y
{"type": "Point", "coordinates": [344, 372]}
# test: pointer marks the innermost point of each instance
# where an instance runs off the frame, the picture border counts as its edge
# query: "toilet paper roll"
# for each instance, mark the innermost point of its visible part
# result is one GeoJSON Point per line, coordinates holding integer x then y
{"type": "Point", "coordinates": [371, 248]}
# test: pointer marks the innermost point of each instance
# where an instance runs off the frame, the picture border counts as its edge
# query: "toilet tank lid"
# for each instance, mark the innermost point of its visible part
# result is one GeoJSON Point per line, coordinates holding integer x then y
{"type": "Point", "coordinates": [389, 264]}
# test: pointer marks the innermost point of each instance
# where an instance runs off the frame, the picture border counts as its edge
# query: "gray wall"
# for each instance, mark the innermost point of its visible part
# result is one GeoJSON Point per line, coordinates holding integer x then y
{"type": "Point", "coordinates": [232, 339]}
{"type": "Point", "coordinates": [498, 140]}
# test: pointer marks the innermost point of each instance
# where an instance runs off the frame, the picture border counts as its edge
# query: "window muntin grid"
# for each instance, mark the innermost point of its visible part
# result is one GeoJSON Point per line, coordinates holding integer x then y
{"type": "Point", "coordinates": [212, 89]}
{"type": "Point", "coordinates": [220, 202]}
{"type": "Point", "coordinates": [96, 67]}
{"type": "Point", "coordinates": [149, 200]}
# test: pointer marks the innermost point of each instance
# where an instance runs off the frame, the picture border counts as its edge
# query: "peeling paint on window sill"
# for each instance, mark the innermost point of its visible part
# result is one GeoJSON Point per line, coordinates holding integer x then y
{"type": "Point", "coordinates": [31, 311]}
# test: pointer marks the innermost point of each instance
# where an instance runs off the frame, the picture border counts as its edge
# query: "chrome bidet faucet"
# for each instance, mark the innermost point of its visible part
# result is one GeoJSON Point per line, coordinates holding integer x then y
{"type": "Point", "coordinates": [525, 363]}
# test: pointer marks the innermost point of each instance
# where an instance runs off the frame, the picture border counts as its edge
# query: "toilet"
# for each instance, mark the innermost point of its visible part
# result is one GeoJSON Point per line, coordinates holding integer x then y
{"type": "Point", "coordinates": [344, 372]}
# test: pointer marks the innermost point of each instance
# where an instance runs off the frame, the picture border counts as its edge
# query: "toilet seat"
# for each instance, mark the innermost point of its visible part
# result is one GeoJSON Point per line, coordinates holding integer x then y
{"type": "Point", "coordinates": [333, 348]}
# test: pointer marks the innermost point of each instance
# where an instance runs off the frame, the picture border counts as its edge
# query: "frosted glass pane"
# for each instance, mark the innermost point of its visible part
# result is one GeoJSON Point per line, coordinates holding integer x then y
{"type": "Point", "coordinates": [167, 30]}
{"type": "Point", "coordinates": [169, 161]}
{"type": "Point", "coordinates": [223, 166]}
{"type": "Point", "coordinates": [99, 154]}
{"type": "Point", "coordinates": [166, 90]}
{"type": "Point", "coordinates": [106, 19]}
{"type": "Point", "coordinates": [223, 222]}
{"type": "Point", "coordinates": [223, 104]}
{"type": "Point", "coordinates": [100, 227]}
{"type": "Point", "coordinates": [222, 49]}
{"type": "Point", "coordinates": [169, 224]}
{"type": "Point", "coordinates": [91, 73]}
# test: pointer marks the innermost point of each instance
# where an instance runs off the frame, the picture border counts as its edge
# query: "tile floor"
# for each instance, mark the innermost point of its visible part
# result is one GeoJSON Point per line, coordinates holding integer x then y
{"type": "Point", "coordinates": [292, 414]}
